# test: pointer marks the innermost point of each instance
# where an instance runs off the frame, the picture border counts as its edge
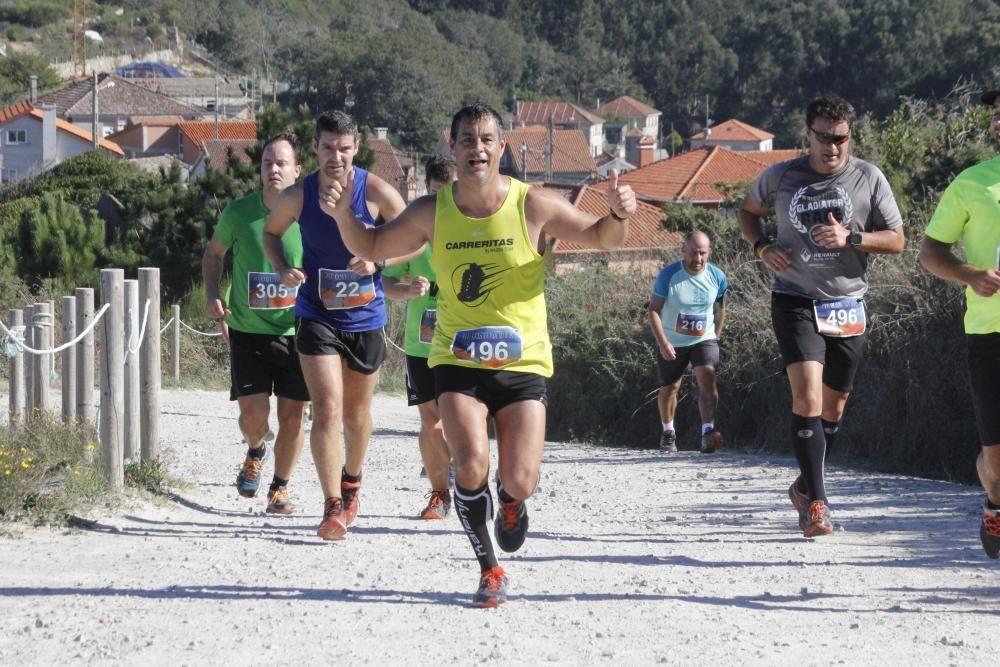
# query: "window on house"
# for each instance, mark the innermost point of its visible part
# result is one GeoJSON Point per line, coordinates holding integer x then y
{"type": "Point", "coordinates": [8, 175]}
{"type": "Point", "coordinates": [17, 137]}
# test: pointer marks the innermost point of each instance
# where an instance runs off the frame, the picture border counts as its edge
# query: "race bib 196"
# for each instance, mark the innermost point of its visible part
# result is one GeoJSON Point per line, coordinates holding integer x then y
{"type": "Point", "coordinates": [340, 290]}
{"type": "Point", "coordinates": [691, 325]}
{"type": "Point", "coordinates": [265, 292]}
{"type": "Point", "coordinates": [427, 323]}
{"type": "Point", "coordinates": [840, 317]}
{"type": "Point", "coordinates": [492, 347]}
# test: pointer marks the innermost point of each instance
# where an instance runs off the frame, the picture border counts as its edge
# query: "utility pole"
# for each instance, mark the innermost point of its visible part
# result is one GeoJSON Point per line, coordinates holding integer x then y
{"type": "Point", "coordinates": [216, 105]}
{"type": "Point", "coordinates": [95, 126]}
{"type": "Point", "coordinates": [548, 152]}
{"type": "Point", "coordinates": [524, 162]}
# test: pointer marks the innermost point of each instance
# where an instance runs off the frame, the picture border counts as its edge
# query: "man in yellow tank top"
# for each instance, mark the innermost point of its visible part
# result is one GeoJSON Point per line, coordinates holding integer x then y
{"type": "Point", "coordinates": [490, 353]}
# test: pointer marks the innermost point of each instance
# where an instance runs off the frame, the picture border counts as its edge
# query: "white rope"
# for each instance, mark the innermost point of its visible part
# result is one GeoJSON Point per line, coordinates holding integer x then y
{"type": "Point", "coordinates": [19, 342]}
{"type": "Point", "coordinates": [200, 333]}
{"type": "Point", "coordinates": [142, 332]}
{"type": "Point", "coordinates": [169, 322]}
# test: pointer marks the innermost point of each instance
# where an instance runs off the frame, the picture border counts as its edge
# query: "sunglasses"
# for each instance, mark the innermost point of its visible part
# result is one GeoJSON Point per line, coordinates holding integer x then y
{"type": "Point", "coordinates": [830, 139]}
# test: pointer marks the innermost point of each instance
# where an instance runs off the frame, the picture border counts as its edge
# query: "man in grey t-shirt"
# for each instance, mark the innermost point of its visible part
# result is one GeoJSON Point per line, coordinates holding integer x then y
{"type": "Point", "coordinates": [833, 210]}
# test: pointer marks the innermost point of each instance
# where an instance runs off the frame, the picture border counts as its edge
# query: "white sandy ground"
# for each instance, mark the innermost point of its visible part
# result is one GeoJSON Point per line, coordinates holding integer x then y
{"type": "Point", "coordinates": [632, 558]}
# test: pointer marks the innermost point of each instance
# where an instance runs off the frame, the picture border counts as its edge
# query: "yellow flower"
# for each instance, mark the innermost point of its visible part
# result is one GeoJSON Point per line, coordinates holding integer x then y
{"type": "Point", "coordinates": [23, 450]}
{"type": "Point", "coordinates": [25, 465]}
{"type": "Point", "coordinates": [91, 446]}
{"type": "Point", "coordinates": [76, 472]}
{"type": "Point", "coordinates": [7, 471]}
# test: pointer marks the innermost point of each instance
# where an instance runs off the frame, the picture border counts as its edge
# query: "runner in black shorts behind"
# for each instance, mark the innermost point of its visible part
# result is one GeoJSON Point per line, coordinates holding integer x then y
{"type": "Point", "coordinates": [258, 322]}
{"type": "Point", "coordinates": [833, 210]}
{"type": "Point", "coordinates": [969, 211]}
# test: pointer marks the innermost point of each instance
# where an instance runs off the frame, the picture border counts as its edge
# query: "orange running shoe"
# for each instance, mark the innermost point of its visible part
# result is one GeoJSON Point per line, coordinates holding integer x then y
{"type": "Point", "coordinates": [438, 506]}
{"type": "Point", "coordinates": [333, 526]}
{"type": "Point", "coordinates": [248, 479]}
{"type": "Point", "coordinates": [711, 441]}
{"type": "Point", "coordinates": [277, 501]}
{"type": "Point", "coordinates": [989, 532]}
{"type": "Point", "coordinates": [817, 520]}
{"type": "Point", "coordinates": [349, 491]}
{"type": "Point", "coordinates": [492, 589]}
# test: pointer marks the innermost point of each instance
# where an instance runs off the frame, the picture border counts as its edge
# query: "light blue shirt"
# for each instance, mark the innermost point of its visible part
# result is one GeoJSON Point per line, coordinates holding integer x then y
{"type": "Point", "coordinates": [688, 312]}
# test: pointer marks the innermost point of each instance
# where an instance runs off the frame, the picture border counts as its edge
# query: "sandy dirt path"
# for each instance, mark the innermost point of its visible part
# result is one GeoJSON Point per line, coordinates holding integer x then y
{"type": "Point", "coordinates": [632, 559]}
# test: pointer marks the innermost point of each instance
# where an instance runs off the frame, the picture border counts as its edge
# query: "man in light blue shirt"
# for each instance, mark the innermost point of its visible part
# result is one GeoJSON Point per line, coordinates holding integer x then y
{"type": "Point", "coordinates": [686, 314]}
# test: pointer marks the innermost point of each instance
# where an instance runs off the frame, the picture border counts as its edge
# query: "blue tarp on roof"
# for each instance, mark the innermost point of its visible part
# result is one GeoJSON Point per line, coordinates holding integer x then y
{"type": "Point", "coordinates": [147, 70]}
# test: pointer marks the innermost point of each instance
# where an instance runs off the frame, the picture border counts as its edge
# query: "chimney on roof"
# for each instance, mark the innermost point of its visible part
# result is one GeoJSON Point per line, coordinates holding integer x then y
{"type": "Point", "coordinates": [381, 133]}
{"type": "Point", "coordinates": [50, 148]}
{"type": "Point", "coordinates": [33, 94]}
{"type": "Point", "coordinates": [646, 152]}
{"type": "Point", "coordinates": [96, 125]}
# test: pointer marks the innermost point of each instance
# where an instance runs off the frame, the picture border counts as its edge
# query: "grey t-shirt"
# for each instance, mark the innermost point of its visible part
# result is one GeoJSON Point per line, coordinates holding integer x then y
{"type": "Point", "coordinates": [858, 196]}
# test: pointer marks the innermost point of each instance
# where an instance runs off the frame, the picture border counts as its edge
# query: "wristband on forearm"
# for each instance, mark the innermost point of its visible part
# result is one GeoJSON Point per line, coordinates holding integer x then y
{"type": "Point", "coordinates": [760, 246]}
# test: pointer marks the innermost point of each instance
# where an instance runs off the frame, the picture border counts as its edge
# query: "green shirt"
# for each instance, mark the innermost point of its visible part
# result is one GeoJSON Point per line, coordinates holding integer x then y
{"type": "Point", "coordinates": [271, 308]}
{"type": "Point", "coordinates": [421, 311]}
{"type": "Point", "coordinates": [970, 210]}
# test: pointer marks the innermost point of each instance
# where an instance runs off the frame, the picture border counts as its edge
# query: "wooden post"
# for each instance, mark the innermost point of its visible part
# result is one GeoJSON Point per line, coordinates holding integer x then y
{"type": "Point", "coordinates": [149, 363]}
{"type": "Point", "coordinates": [175, 358]}
{"type": "Point", "coordinates": [29, 362]}
{"type": "Point", "coordinates": [42, 362]}
{"type": "Point", "coordinates": [16, 372]}
{"type": "Point", "coordinates": [85, 355]}
{"type": "Point", "coordinates": [133, 319]}
{"type": "Point", "coordinates": [112, 378]}
{"type": "Point", "coordinates": [69, 359]}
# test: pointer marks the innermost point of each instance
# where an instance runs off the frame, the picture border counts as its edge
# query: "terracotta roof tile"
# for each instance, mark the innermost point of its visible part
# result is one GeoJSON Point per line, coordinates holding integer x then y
{"type": "Point", "coordinates": [24, 107]}
{"type": "Point", "coordinates": [626, 107]}
{"type": "Point", "coordinates": [735, 130]}
{"type": "Point", "coordinates": [15, 110]}
{"type": "Point", "coordinates": [218, 151]}
{"type": "Point", "coordinates": [645, 230]}
{"type": "Point", "coordinates": [538, 112]}
{"type": "Point", "coordinates": [570, 150]}
{"type": "Point", "coordinates": [389, 161]}
{"type": "Point", "coordinates": [199, 131]}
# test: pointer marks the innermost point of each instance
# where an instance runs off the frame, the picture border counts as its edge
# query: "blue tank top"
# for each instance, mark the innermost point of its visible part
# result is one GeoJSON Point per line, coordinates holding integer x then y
{"type": "Point", "coordinates": [331, 293]}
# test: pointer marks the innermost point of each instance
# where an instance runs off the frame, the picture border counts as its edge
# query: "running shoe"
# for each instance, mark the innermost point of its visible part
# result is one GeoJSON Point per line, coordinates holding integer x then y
{"type": "Point", "coordinates": [800, 501]}
{"type": "Point", "coordinates": [277, 501]}
{"type": "Point", "coordinates": [350, 491]}
{"type": "Point", "coordinates": [668, 442]}
{"type": "Point", "coordinates": [333, 526]}
{"type": "Point", "coordinates": [817, 520]}
{"type": "Point", "coordinates": [248, 479]}
{"type": "Point", "coordinates": [438, 506]}
{"type": "Point", "coordinates": [989, 532]}
{"type": "Point", "coordinates": [511, 524]}
{"type": "Point", "coordinates": [711, 440]}
{"type": "Point", "coordinates": [492, 589]}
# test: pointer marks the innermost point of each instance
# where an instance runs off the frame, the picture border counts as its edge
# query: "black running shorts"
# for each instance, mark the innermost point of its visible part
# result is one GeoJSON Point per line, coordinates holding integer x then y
{"type": "Point", "coordinates": [984, 374]}
{"type": "Point", "coordinates": [795, 328]}
{"type": "Point", "coordinates": [419, 381]}
{"type": "Point", "coordinates": [705, 353]}
{"type": "Point", "coordinates": [497, 389]}
{"type": "Point", "coordinates": [364, 351]}
{"type": "Point", "coordinates": [265, 364]}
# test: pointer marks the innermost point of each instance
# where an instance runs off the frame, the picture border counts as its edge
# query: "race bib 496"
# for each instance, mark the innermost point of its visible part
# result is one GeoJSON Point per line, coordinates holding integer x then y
{"type": "Point", "coordinates": [340, 290]}
{"type": "Point", "coordinates": [492, 347]}
{"type": "Point", "coordinates": [840, 317]}
{"type": "Point", "coordinates": [265, 292]}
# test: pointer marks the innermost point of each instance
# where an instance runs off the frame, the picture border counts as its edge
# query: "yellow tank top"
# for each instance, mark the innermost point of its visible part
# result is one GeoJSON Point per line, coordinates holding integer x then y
{"type": "Point", "coordinates": [491, 292]}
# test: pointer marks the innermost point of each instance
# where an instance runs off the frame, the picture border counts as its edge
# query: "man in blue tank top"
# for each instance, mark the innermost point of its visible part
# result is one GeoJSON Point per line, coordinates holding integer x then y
{"type": "Point", "coordinates": [686, 314]}
{"type": "Point", "coordinates": [340, 312]}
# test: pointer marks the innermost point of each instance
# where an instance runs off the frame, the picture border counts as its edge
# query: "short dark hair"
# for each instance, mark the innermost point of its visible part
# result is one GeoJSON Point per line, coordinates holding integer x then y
{"type": "Point", "coordinates": [336, 122]}
{"type": "Point", "coordinates": [290, 137]}
{"type": "Point", "coordinates": [439, 168]}
{"type": "Point", "coordinates": [831, 107]}
{"type": "Point", "coordinates": [473, 112]}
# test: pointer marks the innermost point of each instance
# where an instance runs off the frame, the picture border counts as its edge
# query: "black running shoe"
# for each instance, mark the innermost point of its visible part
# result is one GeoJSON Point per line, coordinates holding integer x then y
{"type": "Point", "coordinates": [511, 525]}
{"type": "Point", "coordinates": [989, 532]}
{"type": "Point", "coordinates": [668, 442]}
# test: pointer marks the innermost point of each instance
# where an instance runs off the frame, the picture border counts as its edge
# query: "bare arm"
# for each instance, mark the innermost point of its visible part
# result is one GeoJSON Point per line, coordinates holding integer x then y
{"type": "Point", "coordinates": [749, 215]}
{"type": "Point", "coordinates": [833, 235]}
{"type": "Point", "coordinates": [560, 219]}
{"type": "Point", "coordinates": [211, 272]}
{"type": "Point", "coordinates": [720, 318]}
{"type": "Point", "coordinates": [284, 213]}
{"type": "Point", "coordinates": [938, 258]}
{"type": "Point", "coordinates": [656, 327]}
{"type": "Point", "coordinates": [394, 289]}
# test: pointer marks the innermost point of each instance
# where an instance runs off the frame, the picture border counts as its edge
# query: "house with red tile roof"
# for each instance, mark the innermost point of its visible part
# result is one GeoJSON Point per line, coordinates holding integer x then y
{"type": "Point", "coordinates": [647, 246]}
{"type": "Point", "coordinates": [215, 155]}
{"type": "Point", "coordinates": [692, 176]}
{"type": "Point", "coordinates": [394, 166]}
{"type": "Point", "coordinates": [563, 116]}
{"type": "Point", "coordinates": [632, 113]}
{"type": "Point", "coordinates": [194, 134]}
{"type": "Point", "coordinates": [34, 140]}
{"type": "Point", "coordinates": [734, 135]}
{"type": "Point", "coordinates": [526, 156]}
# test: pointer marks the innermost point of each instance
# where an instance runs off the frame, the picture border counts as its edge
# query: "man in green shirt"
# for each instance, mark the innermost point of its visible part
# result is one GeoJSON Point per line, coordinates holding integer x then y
{"type": "Point", "coordinates": [260, 325]}
{"type": "Point", "coordinates": [421, 316]}
{"type": "Point", "coordinates": [969, 211]}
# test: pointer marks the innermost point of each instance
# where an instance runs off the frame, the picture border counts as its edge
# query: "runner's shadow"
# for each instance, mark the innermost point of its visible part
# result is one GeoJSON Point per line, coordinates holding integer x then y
{"type": "Point", "coordinates": [198, 507]}
{"type": "Point", "coordinates": [394, 432]}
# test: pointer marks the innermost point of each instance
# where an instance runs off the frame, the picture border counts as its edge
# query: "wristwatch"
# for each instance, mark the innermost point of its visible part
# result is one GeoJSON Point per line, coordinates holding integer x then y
{"type": "Point", "coordinates": [854, 239]}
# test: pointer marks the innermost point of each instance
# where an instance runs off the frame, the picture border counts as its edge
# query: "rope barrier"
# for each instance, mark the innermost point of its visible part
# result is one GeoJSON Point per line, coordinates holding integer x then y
{"type": "Point", "coordinates": [142, 332]}
{"type": "Point", "coordinates": [200, 333]}
{"type": "Point", "coordinates": [169, 322]}
{"type": "Point", "coordinates": [19, 341]}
